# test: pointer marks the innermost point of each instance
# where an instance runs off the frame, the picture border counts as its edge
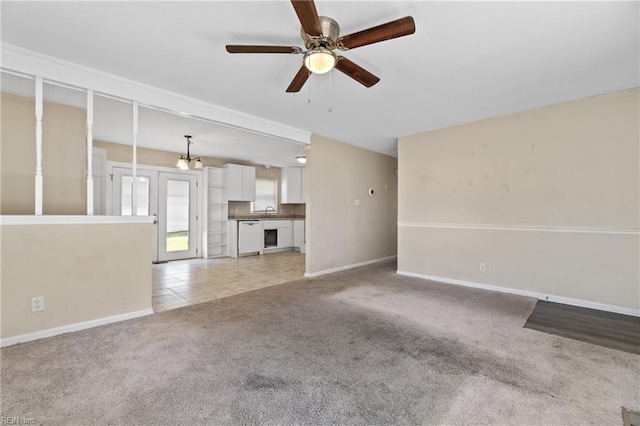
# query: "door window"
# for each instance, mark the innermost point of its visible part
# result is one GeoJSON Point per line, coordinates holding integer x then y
{"type": "Point", "coordinates": [177, 215]}
{"type": "Point", "coordinates": [126, 190]}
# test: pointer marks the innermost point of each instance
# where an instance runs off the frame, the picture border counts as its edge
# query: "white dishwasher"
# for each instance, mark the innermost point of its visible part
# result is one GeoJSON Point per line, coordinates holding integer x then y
{"type": "Point", "coordinates": [249, 236]}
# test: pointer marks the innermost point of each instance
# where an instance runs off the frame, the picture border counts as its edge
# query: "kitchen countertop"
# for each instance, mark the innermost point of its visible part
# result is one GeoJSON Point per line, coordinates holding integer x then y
{"type": "Point", "coordinates": [267, 217]}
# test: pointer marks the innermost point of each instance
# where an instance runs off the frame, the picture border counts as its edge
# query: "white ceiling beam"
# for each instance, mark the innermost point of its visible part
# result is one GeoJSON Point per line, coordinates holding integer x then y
{"type": "Point", "coordinates": [50, 68]}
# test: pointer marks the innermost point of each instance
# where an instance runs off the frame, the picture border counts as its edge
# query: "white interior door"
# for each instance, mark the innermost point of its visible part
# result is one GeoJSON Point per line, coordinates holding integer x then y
{"type": "Point", "coordinates": [177, 212]}
{"type": "Point", "coordinates": [147, 197]}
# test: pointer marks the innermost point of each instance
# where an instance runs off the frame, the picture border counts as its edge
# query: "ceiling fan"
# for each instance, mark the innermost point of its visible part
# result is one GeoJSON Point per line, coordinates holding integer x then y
{"type": "Point", "coordinates": [321, 36]}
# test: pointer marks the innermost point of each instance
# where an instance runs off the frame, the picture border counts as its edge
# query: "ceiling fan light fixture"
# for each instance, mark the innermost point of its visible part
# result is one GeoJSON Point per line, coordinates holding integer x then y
{"type": "Point", "coordinates": [320, 60]}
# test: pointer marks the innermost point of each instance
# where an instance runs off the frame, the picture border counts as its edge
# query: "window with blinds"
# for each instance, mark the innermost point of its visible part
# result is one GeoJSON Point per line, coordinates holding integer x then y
{"type": "Point", "coordinates": [266, 195]}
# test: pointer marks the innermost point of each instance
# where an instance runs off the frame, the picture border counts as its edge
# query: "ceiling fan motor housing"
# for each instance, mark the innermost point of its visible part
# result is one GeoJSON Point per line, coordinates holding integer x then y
{"type": "Point", "coordinates": [329, 37]}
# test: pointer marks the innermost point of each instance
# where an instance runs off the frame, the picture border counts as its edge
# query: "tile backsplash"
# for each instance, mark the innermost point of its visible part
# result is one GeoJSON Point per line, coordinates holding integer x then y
{"type": "Point", "coordinates": [243, 208]}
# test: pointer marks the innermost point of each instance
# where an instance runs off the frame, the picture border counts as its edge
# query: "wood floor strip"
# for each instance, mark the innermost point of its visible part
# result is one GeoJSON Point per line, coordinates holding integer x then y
{"type": "Point", "coordinates": [608, 329]}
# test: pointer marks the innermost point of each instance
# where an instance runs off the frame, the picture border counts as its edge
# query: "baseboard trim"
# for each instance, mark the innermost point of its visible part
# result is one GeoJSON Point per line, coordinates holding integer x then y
{"type": "Point", "coordinates": [541, 296]}
{"type": "Point", "coordinates": [24, 338]}
{"type": "Point", "coordinates": [345, 267]}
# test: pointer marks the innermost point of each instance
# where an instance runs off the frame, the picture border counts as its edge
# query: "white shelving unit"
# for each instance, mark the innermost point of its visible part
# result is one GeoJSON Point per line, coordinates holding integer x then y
{"type": "Point", "coordinates": [216, 237]}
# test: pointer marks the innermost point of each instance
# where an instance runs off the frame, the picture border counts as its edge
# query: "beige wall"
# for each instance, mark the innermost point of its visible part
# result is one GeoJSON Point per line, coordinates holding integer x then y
{"type": "Point", "coordinates": [571, 167]}
{"type": "Point", "coordinates": [339, 233]}
{"type": "Point", "coordinates": [63, 157]}
{"type": "Point", "coordinates": [81, 270]}
{"type": "Point", "coordinates": [148, 156]}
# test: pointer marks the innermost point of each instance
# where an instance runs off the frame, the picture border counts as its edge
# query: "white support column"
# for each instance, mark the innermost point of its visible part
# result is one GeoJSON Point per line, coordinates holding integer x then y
{"type": "Point", "coordinates": [89, 152]}
{"type": "Point", "coordinates": [39, 108]}
{"type": "Point", "coordinates": [134, 188]}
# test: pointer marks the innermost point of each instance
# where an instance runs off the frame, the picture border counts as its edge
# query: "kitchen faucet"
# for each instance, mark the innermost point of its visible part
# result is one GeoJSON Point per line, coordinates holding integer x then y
{"type": "Point", "coordinates": [269, 207]}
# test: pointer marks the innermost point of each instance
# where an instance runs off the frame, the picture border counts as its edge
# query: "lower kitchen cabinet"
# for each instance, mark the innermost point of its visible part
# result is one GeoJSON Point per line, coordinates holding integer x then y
{"type": "Point", "coordinates": [283, 234]}
{"type": "Point", "coordinates": [298, 235]}
{"type": "Point", "coordinates": [278, 235]}
{"type": "Point", "coordinates": [232, 226]}
{"type": "Point", "coordinates": [285, 237]}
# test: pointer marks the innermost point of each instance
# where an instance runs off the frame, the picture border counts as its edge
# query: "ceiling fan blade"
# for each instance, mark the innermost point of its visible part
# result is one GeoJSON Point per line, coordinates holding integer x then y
{"type": "Point", "coordinates": [299, 80]}
{"type": "Point", "coordinates": [308, 16]}
{"type": "Point", "coordinates": [398, 28]}
{"type": "Point", "coordinates": [241, 48]}
{"type": "Point", "coordinates": [356, 72]}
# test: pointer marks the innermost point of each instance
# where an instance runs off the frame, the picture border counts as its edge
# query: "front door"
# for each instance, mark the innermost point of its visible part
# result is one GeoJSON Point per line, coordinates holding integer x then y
{"type": "Point", "coordinates": [171, 197]}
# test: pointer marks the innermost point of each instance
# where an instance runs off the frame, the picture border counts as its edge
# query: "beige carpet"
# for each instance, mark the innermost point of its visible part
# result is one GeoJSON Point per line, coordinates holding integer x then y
{"type": "Point", "coordinates": [358, 347]}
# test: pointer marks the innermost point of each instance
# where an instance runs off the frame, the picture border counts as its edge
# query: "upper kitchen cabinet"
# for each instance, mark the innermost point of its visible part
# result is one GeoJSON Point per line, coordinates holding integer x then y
{"type": "Point", "coordinates": [293, 185]}
{"type": "Point", "coordinates": [241, 182]}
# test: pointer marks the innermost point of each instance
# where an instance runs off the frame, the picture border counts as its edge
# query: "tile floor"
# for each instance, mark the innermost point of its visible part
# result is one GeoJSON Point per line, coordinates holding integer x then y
{"type": "Point", "coordinates": [187, 282]}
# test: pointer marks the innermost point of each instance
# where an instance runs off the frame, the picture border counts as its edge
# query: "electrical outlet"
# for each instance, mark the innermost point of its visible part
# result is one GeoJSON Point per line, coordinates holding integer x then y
{"type": "Point", "coordinates": [37, 304]}
{"type": "Point", "coordinates": [357, 202]}
{"type": "Point", "coordinates": [483, 267]}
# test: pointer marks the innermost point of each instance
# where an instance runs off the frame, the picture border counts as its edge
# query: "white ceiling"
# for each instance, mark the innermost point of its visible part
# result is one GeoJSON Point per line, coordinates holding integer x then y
{"type": "Point", "coordinates": [466, 61]}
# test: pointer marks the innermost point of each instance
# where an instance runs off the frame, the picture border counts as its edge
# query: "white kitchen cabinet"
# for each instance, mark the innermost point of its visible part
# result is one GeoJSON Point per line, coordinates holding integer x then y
{"type": "Point", "coordinates": [248, 183]}
{"type": "Point", "coordinates": [216, 212]}
{"type": "Point", "coordinates": [285, 237]}
{"type": "Point", "coordinates": [241, 182]}
{"type": "Point", "coordinates": [285, 233]}
{"type": "Point", "coordinates": [232, 226]}
{"type": "Point", "coordinates": [293, 185]}
{"type": "Point", "coordinates": [276, 223]}
{"type": "Point", "coordinates": [298, 234]}
{"type": "Point", "coordinates": [234, 182]}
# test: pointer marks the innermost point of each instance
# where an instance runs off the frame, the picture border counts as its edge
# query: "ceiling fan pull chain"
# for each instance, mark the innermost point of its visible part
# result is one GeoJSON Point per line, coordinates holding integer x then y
{"type": "Point", "coordinates": [309, 86]}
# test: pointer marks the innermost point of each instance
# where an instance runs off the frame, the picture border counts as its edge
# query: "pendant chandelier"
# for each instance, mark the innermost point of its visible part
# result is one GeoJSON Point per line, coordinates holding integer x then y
{"type": "Point", "coordinates": [183, 162]}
